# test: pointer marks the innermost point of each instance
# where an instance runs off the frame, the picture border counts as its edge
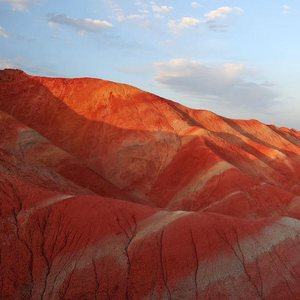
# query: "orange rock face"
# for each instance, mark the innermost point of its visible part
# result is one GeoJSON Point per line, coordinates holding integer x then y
{"type": "Point", "coordinates": [109, 192]}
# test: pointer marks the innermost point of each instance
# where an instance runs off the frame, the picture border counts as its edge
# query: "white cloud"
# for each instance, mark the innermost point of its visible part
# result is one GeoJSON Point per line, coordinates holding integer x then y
{"type": "Point", "coordinates": [118, 12]}
{"type": "Point", "coordinates": [222, 12]}
{"type": "Point", "coordinates": [162, 9]}
{"type": "Point", "coordinates": [227, 83]}
{"type": "Point", "coordinates": [22, 5]}
{"type": "Point", "coordinates": [3, 33]}
{"type": "Point", "coordinates": [287, 10]}
{"type": "Point", "coordinates": [195, 4]}
{"type": "Point", "coordinates": [184, 23]}
{"type": "Point", "coordinates": [212, 20]}
{"type": "Point", "coordinates": [82, 26]}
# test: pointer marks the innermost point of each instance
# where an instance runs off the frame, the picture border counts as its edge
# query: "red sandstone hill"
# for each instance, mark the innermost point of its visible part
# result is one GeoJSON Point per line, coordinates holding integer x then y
{"type": "Point", "coordinates": [109, 192]}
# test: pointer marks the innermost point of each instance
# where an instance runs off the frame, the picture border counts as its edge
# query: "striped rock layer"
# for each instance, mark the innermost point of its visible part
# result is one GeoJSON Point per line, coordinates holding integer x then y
{"type": "Point", "coordinates": [109, 192]}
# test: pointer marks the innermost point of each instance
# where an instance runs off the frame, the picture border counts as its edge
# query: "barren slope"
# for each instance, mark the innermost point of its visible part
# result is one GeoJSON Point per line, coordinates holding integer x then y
{"type": "Point", "coordinates": [208, 207]}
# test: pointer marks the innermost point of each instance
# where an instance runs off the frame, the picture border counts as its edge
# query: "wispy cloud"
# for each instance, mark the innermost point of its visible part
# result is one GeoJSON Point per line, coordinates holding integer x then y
{"type": "Point", "coordinates": [213, 25]}
{"type": "Point", "coordinates": [54, 25]}
{"type": "Point", "coordinates": [286, 10]}
{"type": "Point", "coordinates": [161, 9]}
{"type": "Point", "coordinates": [184, 23]}
{"type": "Point", "coordinates": [142, 4]}
{"type": "Point", "coordinates": [24, 38]}
{"type": "Point", "coordinates": [136, 17]}
{"type": "Point", "coordinates": [195, 4]}
{"type": "Point", "coordinates": [223, 12]}
{"type": "Point", "coordinates": [55, 36]}
{"type": "Point", "coordinates": [227, 84]}
{"type": "Point", "coordinates": [15, 63]}
{"type": "Point", "coordinates": [216, 19]}
{"type": "Point", "coordinates": [211, 19]}
{"type": "Point", "coordinates": [25, 65]}
{"type": "Point", "coordinates": [159, 16]}
{"type": "Point", "coordinates": [117, 11]}
{"type": "Point", "coordinates": [3, 33]}
{"type": "Point", "coordinates": [119, 14]}
{"type": "Point", "coordinates": [145, 24]}
{"type": "Point", "coordinates": [81, 25]}
{"type": "Point", "coordinates": [22, 5]}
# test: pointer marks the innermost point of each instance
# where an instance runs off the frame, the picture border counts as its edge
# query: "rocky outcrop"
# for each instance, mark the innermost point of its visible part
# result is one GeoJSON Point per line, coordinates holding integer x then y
{"type": "Point", "coordinates": [109, 192]}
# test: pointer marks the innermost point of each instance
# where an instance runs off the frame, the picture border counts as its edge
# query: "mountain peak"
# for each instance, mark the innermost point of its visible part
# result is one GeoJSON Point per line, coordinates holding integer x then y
{"type": "Point", "coordinates": [11, 74]}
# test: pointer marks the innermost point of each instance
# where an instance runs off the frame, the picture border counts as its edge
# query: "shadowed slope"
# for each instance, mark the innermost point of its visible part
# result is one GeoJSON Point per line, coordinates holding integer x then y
{"type": "Point", "coordinates": [24, 142]}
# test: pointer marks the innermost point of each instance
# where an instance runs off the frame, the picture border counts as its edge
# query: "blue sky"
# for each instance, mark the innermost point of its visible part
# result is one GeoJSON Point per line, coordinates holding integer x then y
{"type": "Point", "coordinates": [237, 58]}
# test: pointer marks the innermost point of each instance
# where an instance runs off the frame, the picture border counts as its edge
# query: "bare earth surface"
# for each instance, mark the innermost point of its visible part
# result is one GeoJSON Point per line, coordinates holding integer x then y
{"type": "Point", "coordinates": [108, 192]}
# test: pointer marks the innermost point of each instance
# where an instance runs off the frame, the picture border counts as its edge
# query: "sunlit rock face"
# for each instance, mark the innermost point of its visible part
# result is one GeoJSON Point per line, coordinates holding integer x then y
{"type": "Point", "coordinates": [109, 192]}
